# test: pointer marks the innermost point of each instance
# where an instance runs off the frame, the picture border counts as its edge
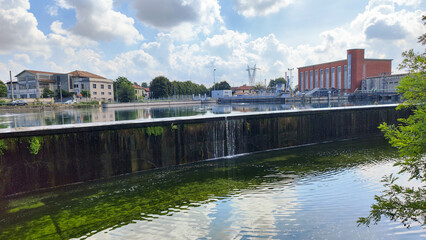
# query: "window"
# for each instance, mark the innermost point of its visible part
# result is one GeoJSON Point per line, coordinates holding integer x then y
{"type": "Point", "coordinates": [33, 96]}
{"type": "Point", "coordinates": [339, 77]}
{"type": "Point", "coordinates": [316, 78]}
{"type": "Point", "coordinates": [306, 81]}
{"type": "Point", "coordinates": [102, 93]}
{"type": "Point", "coordinates": [345, 77]}
{"type": "Point", "coordinates": [22, 87]}
{"type": "Point", "coordinates": [333, 77]}
{"type": "Point", "coordinates": [321, 78]}
{"type": "Point", "coordinates": [109, 93]}
{"type": "Point", "coordinates": [349, 70]}
{"type": "Point", "coordinates": [327, 78]}
{"type": "Point", "coordinates": [311, 79]}
{"type": "Point", "coordinates": [109, 86]}
{"type": "Point", "coordinates": [301, 81]}
{"type": "Point", "coordinates": [75, 85]}
{"type": "Point", "coordinates": [102, 86]}
{"type": "Point", "coordinates": [23, 96]}
{"type": "Point", "coordinates": [94, 85]}
{"type": "Point", "coordinates": [95, 93]}
{"type": "Point", "coordinates": [82, 86]}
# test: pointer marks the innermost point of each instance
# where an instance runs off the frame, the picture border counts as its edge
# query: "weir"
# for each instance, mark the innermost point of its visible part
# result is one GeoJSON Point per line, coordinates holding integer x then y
{"type": "Point", "coordinates": [42, 157]}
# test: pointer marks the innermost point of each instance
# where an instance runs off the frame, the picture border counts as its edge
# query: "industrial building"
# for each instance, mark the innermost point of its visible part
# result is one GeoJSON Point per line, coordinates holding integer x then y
{"type": "Point", "coordinates": [345, 75]}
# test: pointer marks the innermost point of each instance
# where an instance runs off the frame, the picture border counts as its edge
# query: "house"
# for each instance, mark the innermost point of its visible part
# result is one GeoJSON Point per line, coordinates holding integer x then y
{"type": "Point", "coordinates": [139, 92]}
{"type": "Point", "coordinates": [31, 83]}
{"type": "Point", "coordinates": [243, 90]}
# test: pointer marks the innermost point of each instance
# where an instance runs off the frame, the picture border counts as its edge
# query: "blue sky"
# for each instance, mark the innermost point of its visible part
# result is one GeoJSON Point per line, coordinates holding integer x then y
{"type": "Point", "coordinates": [187, 39]}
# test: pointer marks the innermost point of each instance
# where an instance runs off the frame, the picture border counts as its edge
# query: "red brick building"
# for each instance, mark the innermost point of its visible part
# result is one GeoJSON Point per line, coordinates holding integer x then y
{"type": "Point", "coordinates": [344, 75]}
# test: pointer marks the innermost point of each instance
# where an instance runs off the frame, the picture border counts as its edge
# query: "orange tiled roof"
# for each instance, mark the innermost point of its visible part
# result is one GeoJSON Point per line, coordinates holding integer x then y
{"type": "Point", "coordinates": [137, 87]}
{"type": "Point", "coordinates": [78, 73]}
{"type": "Point", "coordinates": [244, 87]}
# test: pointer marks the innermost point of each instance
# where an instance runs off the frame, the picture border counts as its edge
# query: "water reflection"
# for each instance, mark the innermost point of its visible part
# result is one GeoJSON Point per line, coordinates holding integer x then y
{"type": "Point", "coordinates": [87, 115]}
{"type": "Point", "coordinates": [302, 193]}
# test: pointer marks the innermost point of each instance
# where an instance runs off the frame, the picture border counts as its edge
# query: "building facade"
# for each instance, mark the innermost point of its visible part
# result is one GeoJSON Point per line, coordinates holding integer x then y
{"type": "Point", "coordinates": [30, 84]}
{"type": "Point", "coordinates": [384, 83]}
{"type": "Point", "coordinates": [344, 75]}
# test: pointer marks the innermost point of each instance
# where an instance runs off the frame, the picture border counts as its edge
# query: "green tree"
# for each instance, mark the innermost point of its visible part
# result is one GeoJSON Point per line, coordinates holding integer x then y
{"type": "Point", "coordinates": [125, 90]}
{"type": "Point", "coordinates": [160, 87]}
{"type": "Point", "coordinates": [399, 203]}
{"type": "Point", "coordinates": [65, 94]}
{"type": "Point", "coordinates": [3, 89]}
{"type": "Point", "coordinates": [221, 86]}
{"type": "Point", "coordinates": [258, 87]}
{"type": "Point", "coordinates": [85, 93]}
{"type": "Point", "coordinates": [144, 84]}
{"type": "Point", "coordinates": [276, 81]}
{"type": "Point", "coordinates": [47, 93]}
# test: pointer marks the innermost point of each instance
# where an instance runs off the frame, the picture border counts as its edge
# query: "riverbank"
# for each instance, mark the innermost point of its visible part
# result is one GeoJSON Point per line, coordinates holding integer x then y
{"type": "Point", "coordinates": [156, 103]}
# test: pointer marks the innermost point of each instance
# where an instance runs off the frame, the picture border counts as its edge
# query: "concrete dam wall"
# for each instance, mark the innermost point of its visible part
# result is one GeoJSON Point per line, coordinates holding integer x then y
{"type": "Point", "coordinates": [43, 157]}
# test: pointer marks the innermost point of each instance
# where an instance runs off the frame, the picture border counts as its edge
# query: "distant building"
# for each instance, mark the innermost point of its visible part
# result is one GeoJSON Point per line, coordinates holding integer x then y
{"type": "Point", "coordinates": [30, 84]}
{"type": "Point", "coordinates": [243, 90]}
{"type": "Point", "coordinates": [344, 75]}
{"type": "Point", "coordinates": [221, 93]}
{"type": "Point", "coordinates": [384, 83]}
{"type": "Point", "coordinates": [139, 92]}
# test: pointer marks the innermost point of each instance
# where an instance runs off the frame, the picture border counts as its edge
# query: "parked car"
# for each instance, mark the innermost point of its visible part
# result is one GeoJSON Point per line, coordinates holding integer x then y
{"type": "Point", "coordinates": [70, 102]}
{"type": "Point", "coordinates": [18, 103]}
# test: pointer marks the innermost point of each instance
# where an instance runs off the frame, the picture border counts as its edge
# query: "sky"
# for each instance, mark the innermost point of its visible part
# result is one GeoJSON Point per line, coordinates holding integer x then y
{"type": "Point", "coordinates": [187, 39]}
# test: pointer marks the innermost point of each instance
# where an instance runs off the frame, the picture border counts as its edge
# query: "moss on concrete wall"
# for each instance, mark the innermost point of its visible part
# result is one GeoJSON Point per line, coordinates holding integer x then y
{"type": "Point", "coordinates": [33, 162]}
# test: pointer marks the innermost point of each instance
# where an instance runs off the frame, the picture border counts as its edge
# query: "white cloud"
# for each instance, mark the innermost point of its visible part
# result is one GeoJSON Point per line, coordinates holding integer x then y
{"type": "Point", "coordinates": [19, 30]}
{"type": "Point", "coordinates": [183, 19]}
{"type": "Point", "coordinates": [22, 58]}
{"type": "Point", "coordinates": [66, 39]}
{"type": "Point", "coordinates": [97, 20]}
{"type": "Point", "coordinates": [252, 8]}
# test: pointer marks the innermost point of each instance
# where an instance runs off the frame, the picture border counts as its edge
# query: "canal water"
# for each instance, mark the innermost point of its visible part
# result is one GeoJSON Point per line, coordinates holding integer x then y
{"type": "Point", "coordinates": [12, 119]}
{"type": "Point", "coordinates": [309, 192]}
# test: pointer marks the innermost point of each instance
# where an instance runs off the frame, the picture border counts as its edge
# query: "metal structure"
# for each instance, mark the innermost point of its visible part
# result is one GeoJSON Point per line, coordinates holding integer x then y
{"type": "Point", "coordinates": [252, 74]}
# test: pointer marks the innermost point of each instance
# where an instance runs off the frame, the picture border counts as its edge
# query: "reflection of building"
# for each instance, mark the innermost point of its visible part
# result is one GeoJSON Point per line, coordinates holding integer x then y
{"type": "Point", "coordinates": [344, 75]}
{"type": "Point", "coordinates": [382, 83]}
{"type": "Point", "coordinates": [30, 84]}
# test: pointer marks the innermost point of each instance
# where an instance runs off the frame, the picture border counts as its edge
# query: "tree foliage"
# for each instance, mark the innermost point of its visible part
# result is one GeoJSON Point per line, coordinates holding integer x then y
{"type": "Point", "coordinates": [65, 94]}
{"type": "Point", "coordinates": [124, 90]}
{"type": "Point", "coordinates": [160, 87]}
{"type": "Point", "coordinates": [399, 203]}
{"type": "Point", "coordinates": [47, 93]}
{"type": "Point", "coordinates": [85, 93]}
{"type": "Point", "coordinates": [3, 89]}
{"type": "Point", "coordinates": [276, 81]}
{"type": "Point", "coordinates": [224, 85]}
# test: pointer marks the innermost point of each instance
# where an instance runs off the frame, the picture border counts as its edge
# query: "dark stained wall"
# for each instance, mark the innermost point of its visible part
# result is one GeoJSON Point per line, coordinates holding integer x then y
{"type": "Point", "coordinates": [31, 160]}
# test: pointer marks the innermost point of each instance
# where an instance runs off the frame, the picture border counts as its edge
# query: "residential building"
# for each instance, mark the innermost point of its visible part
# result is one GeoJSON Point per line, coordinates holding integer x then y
{"type": "Point", "coordinates": [30, 84]}
{"type": "Point", "coordinates": [139, 92]}
{"type": "Point", "coordinates": [243, 90]}
{"type": "Point", "coordinates": [343, 75]}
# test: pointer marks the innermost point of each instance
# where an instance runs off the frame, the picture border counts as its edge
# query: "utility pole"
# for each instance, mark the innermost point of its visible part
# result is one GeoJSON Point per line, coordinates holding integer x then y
{"type": "Point", "coordinates": [289, 80]}
{"type": "Point", "coordinates": [214, 79]}
{"type": "Point", "coordinates": [11, 84]}
{"type": "Point", "coordinates": [60, 88]}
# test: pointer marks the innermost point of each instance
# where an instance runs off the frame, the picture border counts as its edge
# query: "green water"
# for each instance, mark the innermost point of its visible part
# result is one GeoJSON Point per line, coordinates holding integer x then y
{"type": "Point", "coordinates": [310, 192]}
